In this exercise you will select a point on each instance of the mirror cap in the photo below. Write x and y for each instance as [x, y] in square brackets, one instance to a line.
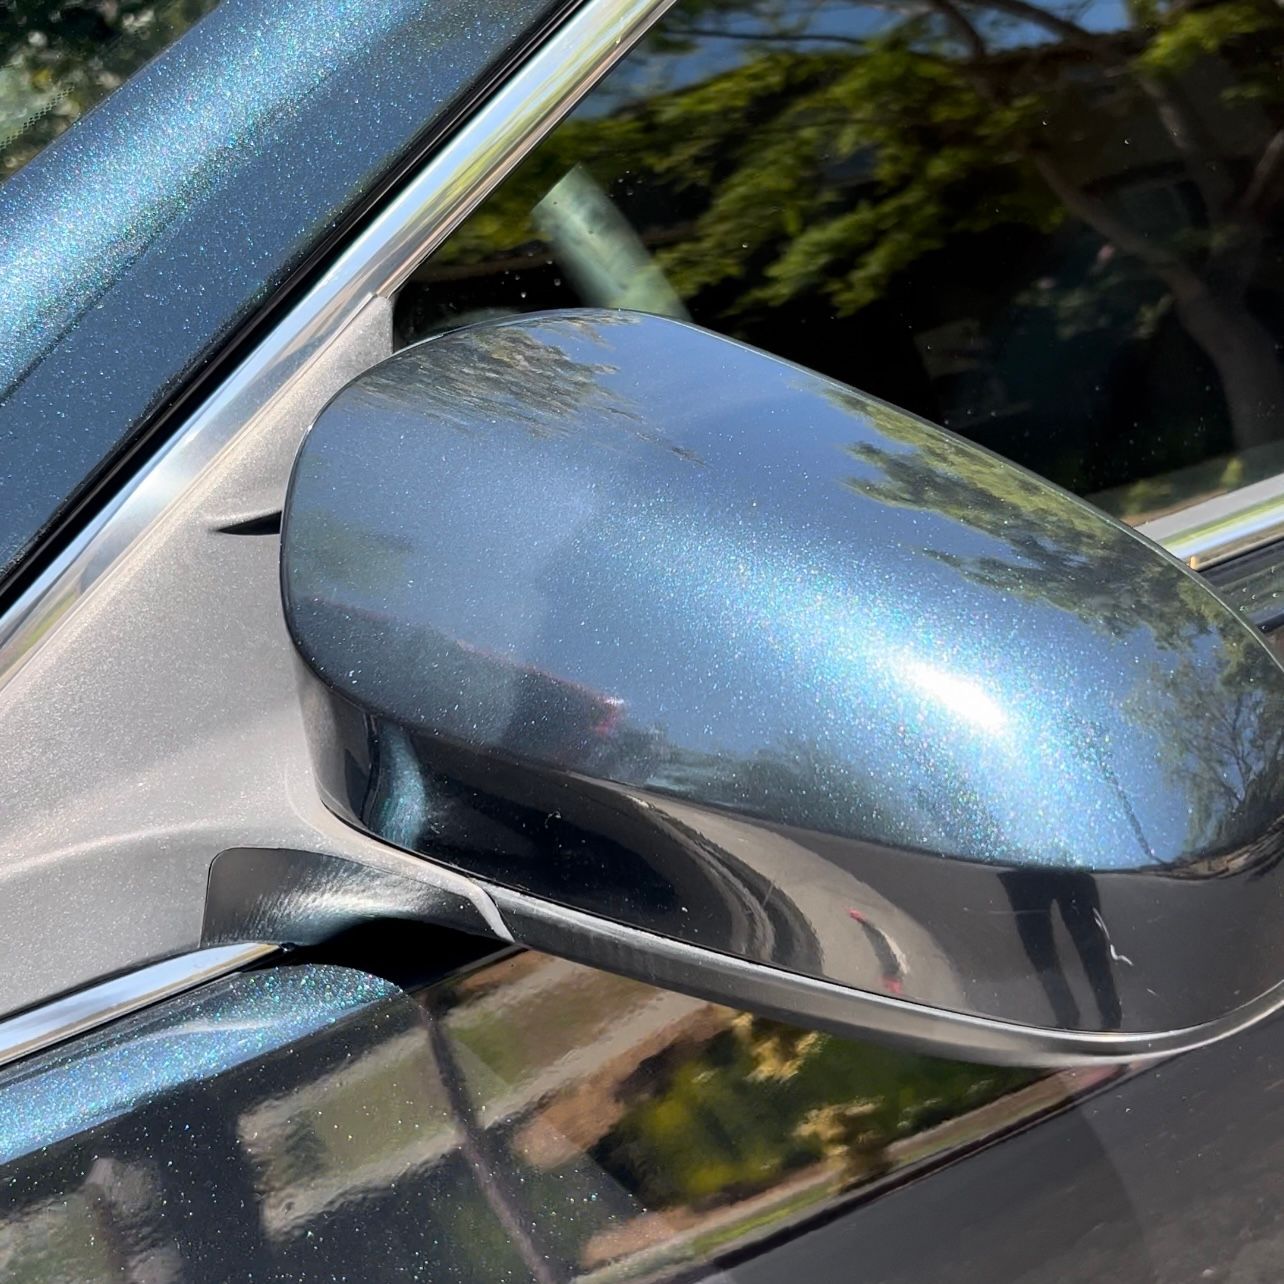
[632, 619]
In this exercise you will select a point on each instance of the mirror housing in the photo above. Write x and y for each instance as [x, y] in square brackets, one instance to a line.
[714, 671]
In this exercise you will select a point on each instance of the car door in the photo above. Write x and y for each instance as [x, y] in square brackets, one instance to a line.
[1054, 236]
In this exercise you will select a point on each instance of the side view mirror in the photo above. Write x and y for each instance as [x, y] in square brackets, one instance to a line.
[719, 673]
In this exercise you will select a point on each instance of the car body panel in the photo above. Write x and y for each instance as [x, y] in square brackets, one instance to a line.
[531, 1119]
[335, 1140]
[141, 239]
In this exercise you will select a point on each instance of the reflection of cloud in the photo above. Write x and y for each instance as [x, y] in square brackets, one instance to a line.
[961, 696]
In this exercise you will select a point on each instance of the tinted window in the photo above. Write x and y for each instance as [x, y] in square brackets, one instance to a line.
[1052, 228]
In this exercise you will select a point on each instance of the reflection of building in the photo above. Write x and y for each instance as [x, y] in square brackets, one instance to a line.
[83, 1233]
[562, 1105]
[237, 1133]
[344, 1136]
[537, 1112]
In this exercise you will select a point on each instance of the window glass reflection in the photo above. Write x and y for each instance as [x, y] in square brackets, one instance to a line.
[1053, 228]
[639, 1130]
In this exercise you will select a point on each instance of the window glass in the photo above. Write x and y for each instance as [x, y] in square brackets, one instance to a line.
[636, 1134]
[527, 1119]
[1051, 227]
[58, 58]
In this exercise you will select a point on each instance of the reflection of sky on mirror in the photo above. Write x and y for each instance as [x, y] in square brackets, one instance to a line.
[967, 700]
[754, 604]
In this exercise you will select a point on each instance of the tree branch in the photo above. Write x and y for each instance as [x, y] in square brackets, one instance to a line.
[1189, 140]
[767, 37]
[1178, 275]
[1180, 124]
[1052, 22]
[1264, 187]
[967, 32]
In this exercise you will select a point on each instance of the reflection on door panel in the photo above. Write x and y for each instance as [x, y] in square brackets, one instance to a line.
[647, 1130]
[530, 1119]
[288, 1124]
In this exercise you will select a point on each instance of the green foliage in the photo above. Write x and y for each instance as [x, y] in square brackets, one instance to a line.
[730, 1116]
[763, 148]
[779, 167]
[813, 169]
[1185, 35]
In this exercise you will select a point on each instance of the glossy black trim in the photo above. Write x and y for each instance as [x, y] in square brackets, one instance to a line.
[1254, 584]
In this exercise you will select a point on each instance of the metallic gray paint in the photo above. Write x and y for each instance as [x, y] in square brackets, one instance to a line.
[151, 714]
[308, 897]
[140, 240]
[325, 1126]
[76, 1014]
[820, 1004]
[668, 631]
[282, 368]
[149, 611]
[232, 1133]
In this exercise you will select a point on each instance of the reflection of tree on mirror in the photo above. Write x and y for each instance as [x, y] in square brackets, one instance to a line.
[646, 1119]
[1215, 729]
[938, 475]
[1223, 751]
[493, 373]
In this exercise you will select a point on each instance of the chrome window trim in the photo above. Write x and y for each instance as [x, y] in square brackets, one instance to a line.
[75, 1014]
[453, 181]
[1215, 530]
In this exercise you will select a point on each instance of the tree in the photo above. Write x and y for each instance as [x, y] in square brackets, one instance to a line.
[840, 151]
[730, 1116]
